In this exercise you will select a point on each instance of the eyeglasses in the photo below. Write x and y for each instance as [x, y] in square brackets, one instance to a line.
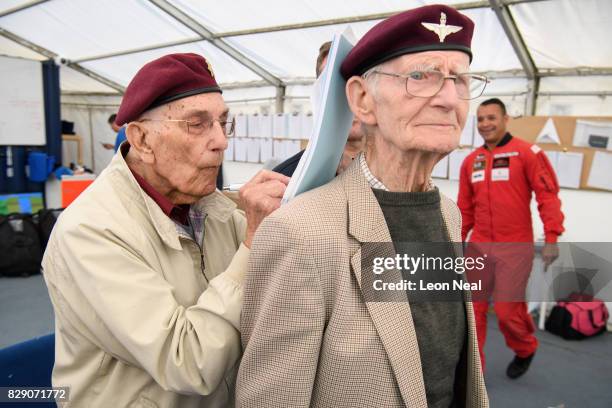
[425, 84]
[199, 127]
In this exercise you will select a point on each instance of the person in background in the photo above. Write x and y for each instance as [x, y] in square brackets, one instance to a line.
[495, 188]
[145, 268]
[120, 138]
[354, 142]
[314, 334]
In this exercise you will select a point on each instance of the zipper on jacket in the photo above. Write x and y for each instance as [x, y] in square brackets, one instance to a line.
[195, 240]
[489, 185]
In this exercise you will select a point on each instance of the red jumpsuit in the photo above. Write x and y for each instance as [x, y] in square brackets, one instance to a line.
[495, 190]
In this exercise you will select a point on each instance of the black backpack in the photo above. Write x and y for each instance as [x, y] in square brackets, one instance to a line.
[46, 221]
[20, 250]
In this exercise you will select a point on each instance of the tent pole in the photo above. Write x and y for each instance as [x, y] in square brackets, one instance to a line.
[518, 44]
[280, 99]
[532, 96]
[221, 44]
[51, 55]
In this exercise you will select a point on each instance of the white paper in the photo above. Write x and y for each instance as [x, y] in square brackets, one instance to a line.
[467, 135]
[294, 146]
[241, 126]
[265, 126]
[307, 126]
[278, 150]
[331, 123]
[549, 133]
[454, 162]
[253, 150]
[266, 150]
[601, 171]
[569, 169]
[553, 158]
[240, 149]
[229, 152]
[254, 128]
[585, 130]
[295, 126]
[279, 126]
[478, 140]
[440, 170]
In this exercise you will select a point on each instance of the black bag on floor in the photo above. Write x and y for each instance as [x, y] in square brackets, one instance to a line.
[20, 250]
[46, 221]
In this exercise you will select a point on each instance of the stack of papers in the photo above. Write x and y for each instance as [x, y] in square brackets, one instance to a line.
[332, 120]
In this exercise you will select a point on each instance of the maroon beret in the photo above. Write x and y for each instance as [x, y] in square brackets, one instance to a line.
[428, 28]
[164, 80]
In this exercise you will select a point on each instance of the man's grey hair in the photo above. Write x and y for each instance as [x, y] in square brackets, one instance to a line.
[372, 79]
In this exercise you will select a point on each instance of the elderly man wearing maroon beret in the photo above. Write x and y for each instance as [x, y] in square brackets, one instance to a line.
[145, 269]
[314, 332]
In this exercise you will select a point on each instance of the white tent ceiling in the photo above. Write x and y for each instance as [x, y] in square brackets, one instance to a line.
[550, 48]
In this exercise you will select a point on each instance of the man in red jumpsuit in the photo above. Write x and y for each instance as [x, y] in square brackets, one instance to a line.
[495, 189]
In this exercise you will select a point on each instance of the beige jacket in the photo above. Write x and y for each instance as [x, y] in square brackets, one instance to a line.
[136, 323]
[309, 337]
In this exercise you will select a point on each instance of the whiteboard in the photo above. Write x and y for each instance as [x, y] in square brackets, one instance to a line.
[22, 104]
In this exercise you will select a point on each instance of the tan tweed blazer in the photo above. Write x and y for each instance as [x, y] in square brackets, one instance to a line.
[309, 337]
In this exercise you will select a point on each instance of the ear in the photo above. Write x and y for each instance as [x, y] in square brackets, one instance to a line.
[139, 138]
[361, 100]
[506, 119]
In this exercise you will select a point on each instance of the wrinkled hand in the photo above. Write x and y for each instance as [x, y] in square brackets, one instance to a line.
[108, 146]
[550, 253]
[259, 197]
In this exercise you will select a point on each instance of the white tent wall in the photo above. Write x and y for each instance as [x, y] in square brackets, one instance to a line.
[575, 102]
[566, 33]
[90, 115]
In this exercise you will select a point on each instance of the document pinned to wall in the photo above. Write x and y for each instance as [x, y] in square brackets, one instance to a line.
[440, 170]
[295, 126]
[279, 126]
[279, 150]
[240, 149]
[593, 134]
[254, 126]
[229, 152]
[306, 126]
[253, 146]
[467, 135]
[553, 158]
[331, 123]
[241, 126]
[549, 133]
[293, 147]
[478, 140]
[601, 171]
[266, 150]
[454, 162]
[569, 169]
[265, 126]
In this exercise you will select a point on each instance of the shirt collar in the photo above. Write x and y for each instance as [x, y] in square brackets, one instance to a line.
[177, 213]
[376, 183]
[504, 141]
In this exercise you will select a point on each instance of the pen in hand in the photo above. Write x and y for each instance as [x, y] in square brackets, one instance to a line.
[233, 187]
